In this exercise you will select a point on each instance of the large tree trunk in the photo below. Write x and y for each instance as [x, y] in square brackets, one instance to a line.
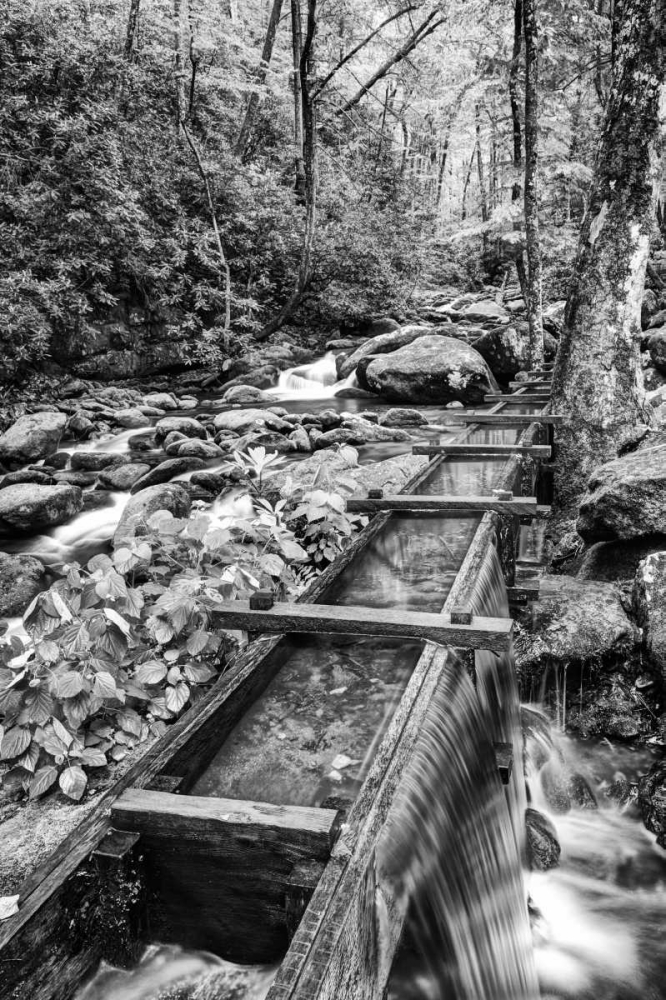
[532, 241]
[309, 109]
[253, 103]
[513, 98]
[132, 30]
[297, 49]
[598, 380]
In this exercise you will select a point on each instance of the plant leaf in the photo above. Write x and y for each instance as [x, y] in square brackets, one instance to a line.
[73, 782]
[42, 781]
[15, 742]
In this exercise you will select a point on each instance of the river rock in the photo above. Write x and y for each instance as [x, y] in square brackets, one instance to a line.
[650, 608]
[30, 507]
[543, 848]
[368, 327]
[95, 461]
[263, 377]
[213, 482]
[122, 477]
[245, 394]
[300, 438]
[242, 421]
[402, 416]
[430, 370]
[145, 441]
[627, 497]
[21, 579]
[505, 349]
[653, 378]
[132, 417]
[161, 400]
[270, 440]
[194, 448]
[573, 623]
[81, 426]
[365, 431]
[26, 476]
[188, 426]
[652, 800]
[166, 471]
[385, 343]
[610, 712]
[481, 312]
[330, 419]
[32, 437]
[580, 792]
[139, 508]
[75, 478]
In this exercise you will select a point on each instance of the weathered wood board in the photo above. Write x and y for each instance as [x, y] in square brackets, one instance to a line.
[482, 633]
[536, 450]
[509, 419]
[517, 398]
[522, 506]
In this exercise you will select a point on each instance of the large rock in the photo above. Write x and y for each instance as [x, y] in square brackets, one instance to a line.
[368, 327]
[21, 579]
[245, 394]
[650, 608]
[505, 350]
[186, 425]
[166, 471]
[122, 477]
[134, 519]
[31, 437]
[574, 623]
[30, 507]
[481, 312]
[543, 849]
[323, 470]
[657, 348]
[652, 800]
[627, 497]
[431, 370]
[400, 416]
[95, 461]
[242, 421]
[384, 343]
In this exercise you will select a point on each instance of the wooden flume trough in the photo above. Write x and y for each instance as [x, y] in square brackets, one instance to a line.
[150, 862]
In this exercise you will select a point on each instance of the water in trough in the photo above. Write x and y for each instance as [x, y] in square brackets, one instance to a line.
[454, 842]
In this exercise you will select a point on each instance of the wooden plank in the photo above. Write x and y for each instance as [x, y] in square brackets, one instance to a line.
[504, 758]
[507, 418]
[527, 397]
[538, 383]
[523, 506]
[483, 633]
[523, 594]
[218, 871]
[535, 450]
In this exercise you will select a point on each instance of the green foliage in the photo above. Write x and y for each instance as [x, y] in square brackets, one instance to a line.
[122, 646]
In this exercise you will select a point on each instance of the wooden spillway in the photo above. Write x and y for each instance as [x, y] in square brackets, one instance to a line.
[250, 880]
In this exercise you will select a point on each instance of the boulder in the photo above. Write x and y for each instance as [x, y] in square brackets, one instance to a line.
[430, 370]
[213, 482]
[368, 327]
[32, 437]
[166, 471]
[162, 400]
[245, 394]
[132, 417]
[134, 519]
[95, 461]
[385, 343]
[31, 507]
[365, 431]
[186, 425]
[194, 448]
[610, 712]
[324, 469]
[270, 440]
[75, 478]
[652, 800]
[145, 441]
[627, 497]
[650, 608]
[543, 849]
[21, 579]
[653, 379]
[262, 377]
[505, 350]
[573, 622]
[122, 477]
[487, 309]
[402, 417]
[26, 476]
[300, 438]
[242, 421]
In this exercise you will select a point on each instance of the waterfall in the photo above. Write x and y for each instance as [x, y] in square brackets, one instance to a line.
[452, 842]
[318, 380]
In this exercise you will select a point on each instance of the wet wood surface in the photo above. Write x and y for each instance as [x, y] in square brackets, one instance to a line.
[523, 506]
[537, 450]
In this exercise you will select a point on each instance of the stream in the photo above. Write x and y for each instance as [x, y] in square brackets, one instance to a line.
[595, 924]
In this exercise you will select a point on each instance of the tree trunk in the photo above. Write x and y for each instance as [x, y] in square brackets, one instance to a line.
[309, 109]
[532, 241]
[253, 103]
[132, 30]
[598, 380]
[179, 16]
[468, 175]
[297, 50]
[513, 97]
[479, 166]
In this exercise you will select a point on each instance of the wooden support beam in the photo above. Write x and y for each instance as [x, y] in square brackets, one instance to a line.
[517, 398]
[219, 872]
[531, 384]
[535, 450]
[523, 594]
[508, 418]
[482, 633]
[504, 757]
[522, 506]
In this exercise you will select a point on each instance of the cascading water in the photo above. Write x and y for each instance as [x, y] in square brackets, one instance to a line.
[314, 381]
[453, 839]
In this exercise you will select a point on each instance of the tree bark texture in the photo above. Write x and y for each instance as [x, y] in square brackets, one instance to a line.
[513, 97]
[598, 381]
[132, 30]
[532, 241]
[297, 48]
[253, 103]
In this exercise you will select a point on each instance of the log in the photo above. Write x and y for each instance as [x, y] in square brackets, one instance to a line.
[523, 506]
[535, 450]
[482, 633]
[218, 871]
[509, 418]
[517, 398]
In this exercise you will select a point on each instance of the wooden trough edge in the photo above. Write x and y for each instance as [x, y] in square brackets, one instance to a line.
[521, 506]
[535, 450]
